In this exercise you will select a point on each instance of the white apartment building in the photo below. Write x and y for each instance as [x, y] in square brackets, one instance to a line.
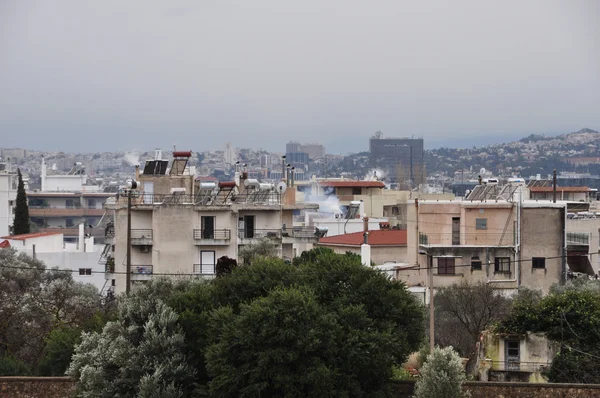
[182, 227]
[8, 195]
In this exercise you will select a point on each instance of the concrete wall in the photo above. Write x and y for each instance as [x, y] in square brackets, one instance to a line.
[36, 387]
[64, 182]
[541, 236]
[405, 389]
[43, 244]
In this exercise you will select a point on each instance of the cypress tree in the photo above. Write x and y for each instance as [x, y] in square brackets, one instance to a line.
[21, 225]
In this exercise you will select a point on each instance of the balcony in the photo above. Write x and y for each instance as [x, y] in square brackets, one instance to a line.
[467, 239]
[141, 237]
[204, 270]
[299, 234]
[72, 211]
[246, 236]
[141, 272]
[212, 237]
[578, 239]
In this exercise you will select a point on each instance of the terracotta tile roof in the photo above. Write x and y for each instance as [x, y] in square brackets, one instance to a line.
[4, 244]
[559, 189]
[352, 184]
[32, 235]
[382, 237]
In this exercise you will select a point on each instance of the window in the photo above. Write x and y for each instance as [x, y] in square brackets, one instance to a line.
[395, 210]
[85, 271]
[445, 265]
[502, 265]
[356, 191]
[538, 262]
[475, 263]
[91, 203]
[481, 223]
[69, 203]
[69, 222]
[113, 282]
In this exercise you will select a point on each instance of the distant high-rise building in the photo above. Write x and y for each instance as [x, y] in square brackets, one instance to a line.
[293, 146]
[313, 150]
[403, 159]
[296, 158]
[265, 160]
[230, 154]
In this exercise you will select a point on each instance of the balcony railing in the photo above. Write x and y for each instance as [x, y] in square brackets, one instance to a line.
[140, 198]
[220, 234]
[141, 234]
[259, 233]
[578, 238]
[474, 239]
[204, 269]
[109, 231]
[141, 269]
[299, 232]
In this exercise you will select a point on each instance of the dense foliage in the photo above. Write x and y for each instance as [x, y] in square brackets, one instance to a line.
[37, 306]
[328, 327]
[21, 223]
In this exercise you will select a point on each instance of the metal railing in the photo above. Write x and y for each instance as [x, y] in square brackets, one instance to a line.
[204, 269]
[109, 231]
[141, 198]
[298, 232]
[259, 233]
[578, 238]
[141, 269]
[487, 239]
[141, 234]
[224, 234]
[519, 366]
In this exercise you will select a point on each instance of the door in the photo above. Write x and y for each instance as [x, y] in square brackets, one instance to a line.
[148, 192]
[512, 354]
[456, 230]
[207, 262]
[249, 227]
[208, 227]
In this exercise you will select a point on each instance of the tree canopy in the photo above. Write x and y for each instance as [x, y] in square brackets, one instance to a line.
[327, 327]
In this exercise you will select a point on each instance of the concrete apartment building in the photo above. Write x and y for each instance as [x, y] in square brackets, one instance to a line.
[505, 242]
[65, 201]
[182, 227]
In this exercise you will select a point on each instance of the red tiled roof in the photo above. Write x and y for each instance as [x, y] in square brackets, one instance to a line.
[32, 235]
[352, 184]
[382, 237]
[559, 189]
[4, 244]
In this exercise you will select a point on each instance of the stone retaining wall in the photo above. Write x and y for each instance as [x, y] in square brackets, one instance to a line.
[36, 387]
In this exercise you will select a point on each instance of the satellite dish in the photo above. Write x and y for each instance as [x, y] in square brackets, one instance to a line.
[281, 187]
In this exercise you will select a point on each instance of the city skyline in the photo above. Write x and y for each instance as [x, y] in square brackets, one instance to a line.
[114, 76]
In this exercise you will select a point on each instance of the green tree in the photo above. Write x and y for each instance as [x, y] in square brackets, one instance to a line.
[21, 223]
[442, 375]
[378, 322]
[225, 265]
[265, 247]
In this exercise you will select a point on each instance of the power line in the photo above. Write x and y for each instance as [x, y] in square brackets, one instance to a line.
[297, 271]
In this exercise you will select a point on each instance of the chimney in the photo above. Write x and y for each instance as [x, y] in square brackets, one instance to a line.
[366, 224]
[283, 177]
[137, 172]
[480, 180]
[81, 245]
[293, 171]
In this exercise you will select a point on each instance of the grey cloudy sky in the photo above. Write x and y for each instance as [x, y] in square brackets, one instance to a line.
[112, 74]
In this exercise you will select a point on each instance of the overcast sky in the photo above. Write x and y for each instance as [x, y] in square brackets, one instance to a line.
[119, 74]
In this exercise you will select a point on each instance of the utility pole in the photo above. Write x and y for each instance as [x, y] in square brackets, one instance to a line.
[128, 269]
[431, 308]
